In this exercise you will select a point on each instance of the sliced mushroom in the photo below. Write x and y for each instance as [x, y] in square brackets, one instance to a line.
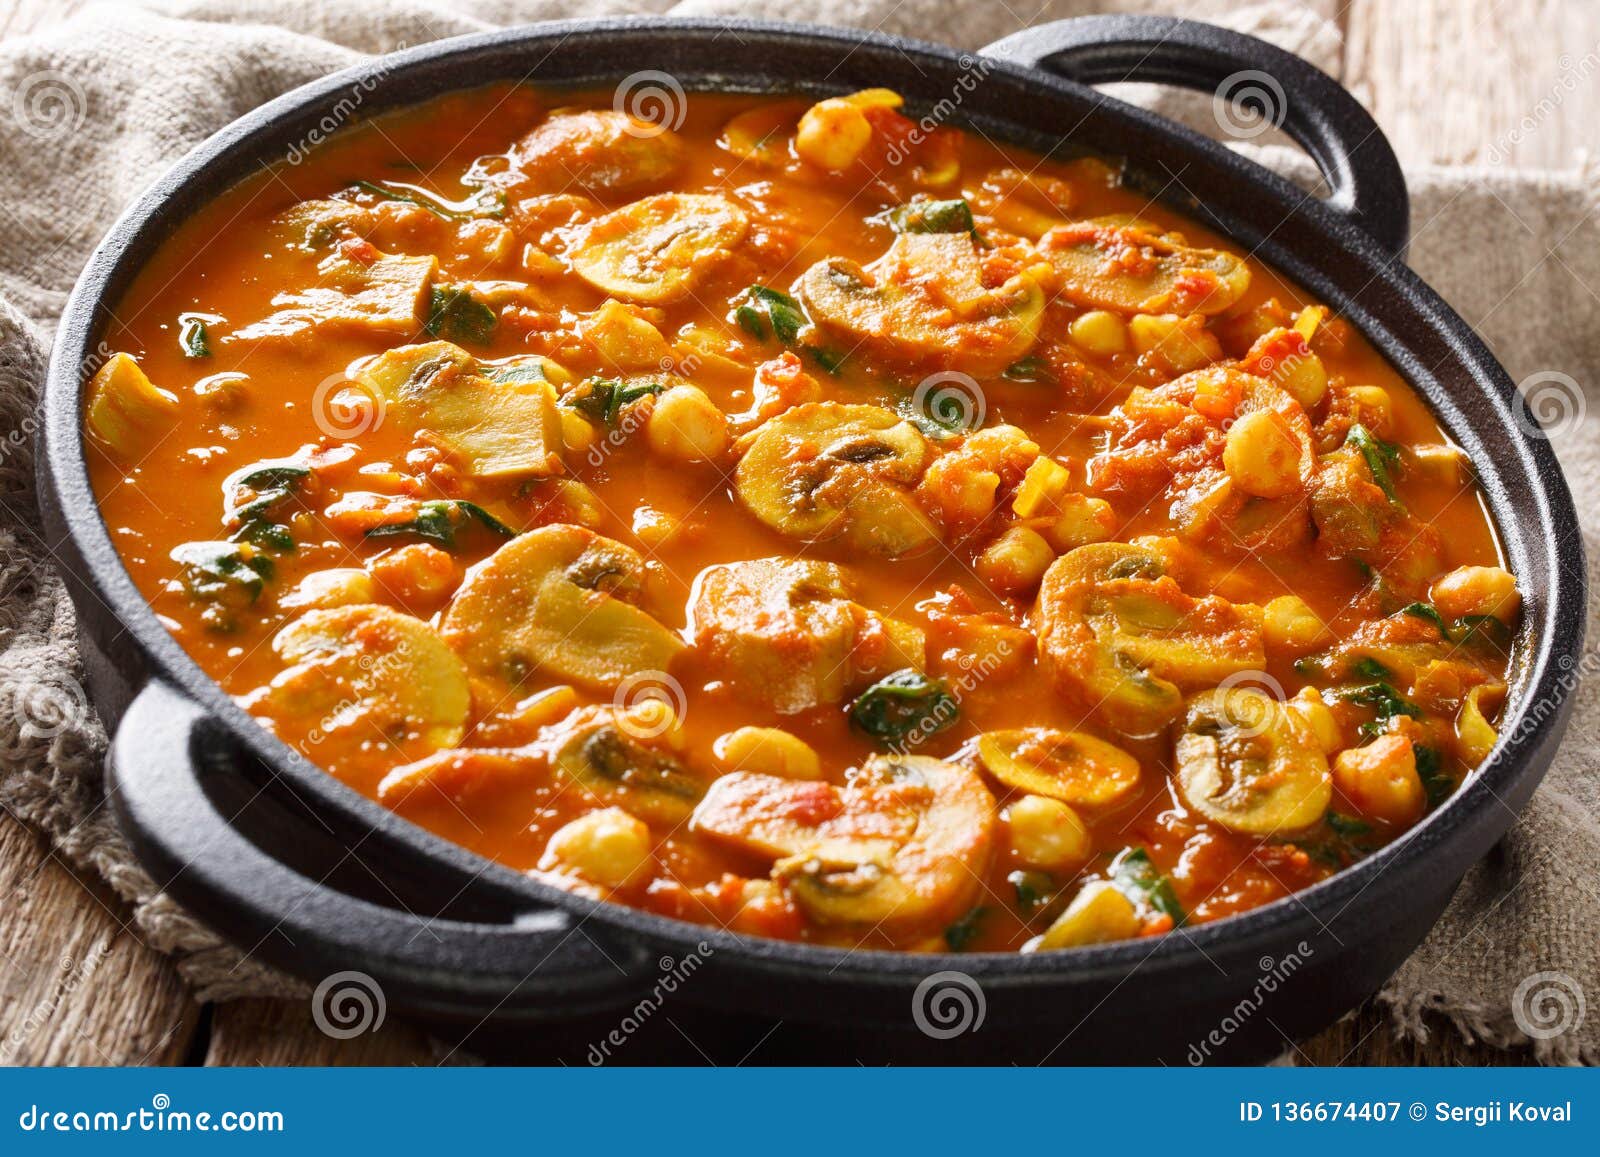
[762, 133]
[601, 150]
[561, 600]
[495, 420]
[1071, 766]
[361, 675]
[1111, 265]
[1121, 638]
[656, 251]
[382, 298]
[1247, 762]
[622, 766]
[773, 816]
[925, 301]
[786, 632]
[902, 846]
[826, 470]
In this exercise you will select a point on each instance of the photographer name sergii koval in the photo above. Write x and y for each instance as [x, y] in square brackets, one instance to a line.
[1497, 1111]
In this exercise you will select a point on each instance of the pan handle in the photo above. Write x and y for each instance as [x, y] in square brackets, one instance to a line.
[1319, 113]
[508, 958]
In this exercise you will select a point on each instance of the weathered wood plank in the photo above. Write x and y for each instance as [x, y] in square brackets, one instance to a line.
[1508, 82]
[77, 985]
[282, 1032]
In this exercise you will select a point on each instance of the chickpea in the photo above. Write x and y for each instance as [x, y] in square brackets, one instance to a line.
[1305, 377]
[1047, 834]
[1381, 780]
[1477, 590]
[655, 527]
[1099, 332]
[687, 425]
[1015, 562]
[958, 490]
[419, 573]
[1373, 406]
[225, 392]
[1318, 717]
[832, 135]
[607, 847]
[624, 339]
[769, 751]
[578, 434]
[1291, 624]
[1284, 357]
[1081, 520]
[340, 587]
[1183, 342]
[1262, 456]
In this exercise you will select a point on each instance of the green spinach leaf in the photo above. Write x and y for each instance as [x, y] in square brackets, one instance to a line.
[902, 703]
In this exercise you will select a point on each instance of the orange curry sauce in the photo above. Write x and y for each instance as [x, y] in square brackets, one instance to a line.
[252, 330]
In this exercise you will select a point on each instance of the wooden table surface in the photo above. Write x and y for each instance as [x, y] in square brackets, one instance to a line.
[1445, 79]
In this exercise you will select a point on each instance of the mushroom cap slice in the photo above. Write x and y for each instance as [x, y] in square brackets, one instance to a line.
[1071, 766]
[924, 302]
[1247, 762]
[902, 845]
[1121, 638]
[562, 600]
[600, 150]
[827, 470]
[495, 421]
[1113, 265]
[931, 877]
[365, 674]
[623, 769]
[786, 632]
[656, 251]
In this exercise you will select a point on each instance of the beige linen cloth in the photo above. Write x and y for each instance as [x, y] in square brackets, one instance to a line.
[91, 111]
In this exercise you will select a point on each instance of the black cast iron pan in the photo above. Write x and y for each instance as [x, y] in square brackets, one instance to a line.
[307, 875]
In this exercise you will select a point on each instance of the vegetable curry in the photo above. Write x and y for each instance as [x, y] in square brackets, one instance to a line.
[801, 519]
